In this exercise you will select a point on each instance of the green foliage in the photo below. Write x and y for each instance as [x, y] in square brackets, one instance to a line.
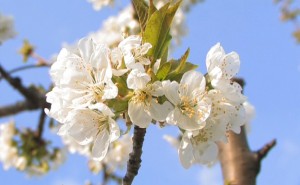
[179, 67]
[157, 31]
[163, 71]
[141, 8]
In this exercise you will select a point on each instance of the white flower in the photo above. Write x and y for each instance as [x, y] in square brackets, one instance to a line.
[112, 30]
[225, 112]
[92, 125]
[192, 107]
[118, 154]
[220, 65]
[144, 106]
[197, 149]
[117, 62]
[8, 152]
[82, 76]
[134, 51]
[74, 147]
[221, 68]
[6, 28]
[99, 4]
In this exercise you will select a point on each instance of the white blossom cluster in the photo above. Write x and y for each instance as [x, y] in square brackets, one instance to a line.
[114, 27]
[99, 4]
[11, 155]
[6, 28]
[204, 107]
[8, 151]
[116, 157]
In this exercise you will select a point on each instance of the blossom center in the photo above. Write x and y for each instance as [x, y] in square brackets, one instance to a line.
[187, 106]
[141, 97]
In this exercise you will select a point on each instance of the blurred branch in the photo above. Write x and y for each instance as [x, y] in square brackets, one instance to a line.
[134, 162]
[16, 108]
[16, 83]
[26, 67]
[41, 124]
[240, 165]
[34, 99]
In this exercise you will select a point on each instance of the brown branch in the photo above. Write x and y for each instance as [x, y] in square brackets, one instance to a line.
[16, 83]
[134, 162]
[16, 108]
[262, 153]
[240, 166]
[41, 123]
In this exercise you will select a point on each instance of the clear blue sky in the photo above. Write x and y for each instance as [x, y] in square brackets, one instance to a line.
[270, 64]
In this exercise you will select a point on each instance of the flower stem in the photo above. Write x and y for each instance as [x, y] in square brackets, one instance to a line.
[134, 162]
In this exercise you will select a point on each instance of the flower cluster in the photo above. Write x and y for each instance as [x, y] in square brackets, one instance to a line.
[95, 85]
[25, 152]
[8, 150]
[99, 4]
[116, 158]
[125, 23]
[6, 28]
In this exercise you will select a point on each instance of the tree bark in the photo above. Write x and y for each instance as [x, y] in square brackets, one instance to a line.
[240, 165]
[134, 162]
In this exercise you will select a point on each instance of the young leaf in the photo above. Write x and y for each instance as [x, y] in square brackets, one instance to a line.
[163, 71]
[141, 8]
[179, 67]
[158, 28]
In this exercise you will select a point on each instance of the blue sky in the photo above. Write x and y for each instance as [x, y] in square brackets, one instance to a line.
[270, 64]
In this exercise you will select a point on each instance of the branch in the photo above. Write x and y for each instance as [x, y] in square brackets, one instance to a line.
[41, 123]
[17, 84]
[240, 166]
[134, 162]
[262, 153]
[27, 67]
[17, 107]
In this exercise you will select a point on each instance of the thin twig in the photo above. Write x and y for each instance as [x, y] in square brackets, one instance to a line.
[41, 124]
[26, 67]
[262, 153]
[134, 162]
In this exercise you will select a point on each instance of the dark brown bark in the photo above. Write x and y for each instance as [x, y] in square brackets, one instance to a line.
[33, 98]
[134, 162]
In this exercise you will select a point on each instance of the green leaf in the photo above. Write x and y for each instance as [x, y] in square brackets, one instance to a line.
[118, 105]
[179, 67]
[177, 76]
[152, 9]
[163, 71]
[141, 8]
[158, 28]
[182, 62]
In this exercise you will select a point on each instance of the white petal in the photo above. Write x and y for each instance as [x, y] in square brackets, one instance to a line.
[137, 114]
[100, 146]
[137, 79]
[205, 153]
[186, 122]
[232, 65]
[213, 56]
[186, 152]
[159, 112]
[86, 48]
[114, 130]
[190, 81]
[171, 91]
